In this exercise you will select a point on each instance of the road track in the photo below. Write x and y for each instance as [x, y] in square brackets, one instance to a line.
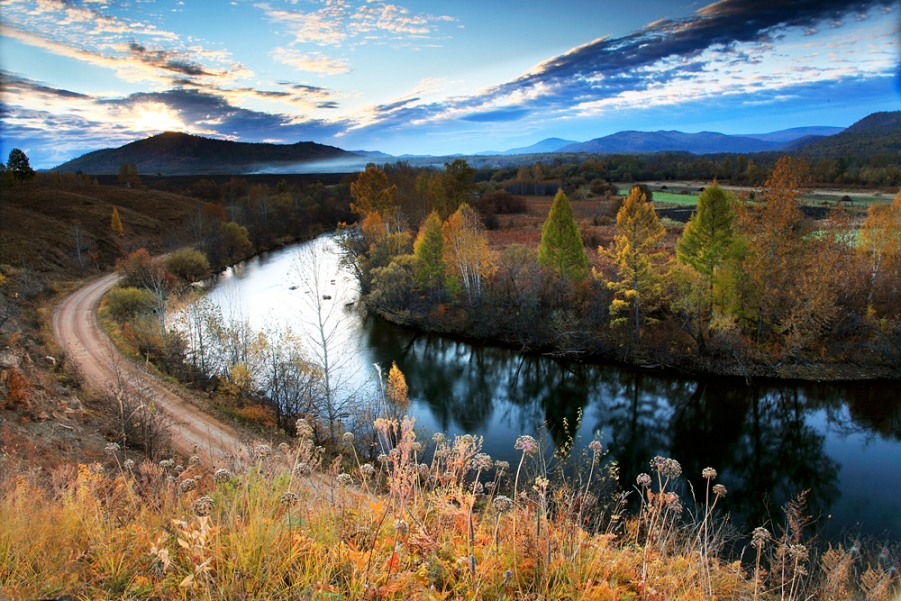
[78, 332]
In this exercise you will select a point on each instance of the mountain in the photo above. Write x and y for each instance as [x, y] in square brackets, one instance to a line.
[372, 154]
[546, 145]
[801, 142]
[173, 153]
[658, 141]
[790, 135]
[879, 133]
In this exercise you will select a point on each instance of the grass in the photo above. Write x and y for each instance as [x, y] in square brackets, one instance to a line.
[276, 523]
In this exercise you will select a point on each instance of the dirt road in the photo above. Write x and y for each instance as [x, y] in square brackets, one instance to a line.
[78, 332]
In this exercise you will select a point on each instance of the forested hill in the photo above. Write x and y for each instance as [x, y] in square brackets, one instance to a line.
[174, 153]
[879, 133]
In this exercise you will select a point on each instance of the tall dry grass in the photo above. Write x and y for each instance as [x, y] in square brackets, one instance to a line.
[278, 524]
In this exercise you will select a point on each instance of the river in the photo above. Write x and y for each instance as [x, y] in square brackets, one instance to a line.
[768, 441]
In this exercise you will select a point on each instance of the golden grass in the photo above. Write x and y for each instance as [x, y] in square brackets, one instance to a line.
[273, 528]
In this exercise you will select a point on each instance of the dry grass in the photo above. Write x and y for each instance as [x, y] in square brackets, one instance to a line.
[271, 528]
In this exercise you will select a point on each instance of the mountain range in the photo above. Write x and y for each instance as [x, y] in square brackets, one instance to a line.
[173, 153]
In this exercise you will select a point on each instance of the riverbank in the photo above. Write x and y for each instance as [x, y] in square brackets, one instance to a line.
[746, 369]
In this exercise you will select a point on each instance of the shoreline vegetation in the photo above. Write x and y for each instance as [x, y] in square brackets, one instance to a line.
[432, 519]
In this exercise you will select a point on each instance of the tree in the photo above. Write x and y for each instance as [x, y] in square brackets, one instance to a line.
[128, 175]
[707, 238]
[773, 227]
[116, 223]
[429, 247]
[466, 251]
[188, 265]
[396, 389]
[640, 281]
[19, 165]
[561, 246]
[372, 193]
[237, 243]
[459, 185]
[880, 241]
[81, 244]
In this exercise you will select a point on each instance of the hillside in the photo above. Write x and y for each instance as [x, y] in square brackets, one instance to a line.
[879, 133]
[36, 223]
[174, 153]
[658, 141]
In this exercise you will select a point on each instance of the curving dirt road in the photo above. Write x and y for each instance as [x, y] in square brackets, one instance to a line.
[78, 332]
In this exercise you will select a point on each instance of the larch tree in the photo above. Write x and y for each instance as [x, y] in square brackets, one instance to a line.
[396, 389]
[773, 226]
[640, 281]
[116, 223]
[466, 251]
[372, 193]
[707, 238]
[429, 248]
[561, 246]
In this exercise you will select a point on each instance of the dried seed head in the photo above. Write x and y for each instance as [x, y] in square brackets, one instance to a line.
[179, 469]
[344, 479]
[194, 460]
[221, 476]
[643, 480]
[128, 464]
[262, 450]
[438, 438]
[367, 470]
[526, 444]
[111, 448]
[417, 447]
[289, 499]
[382, 458]
[502, 465]
[167, 463]
[708, 473]
[502, 504]
[303, 428]
[284, 447]
[760, 536]
[719, 490]
[671, 469]
[203, 506]
[302, 469]
[595, 445]
[482, 461]
[348, 437]
[187, 485]
[401, 527]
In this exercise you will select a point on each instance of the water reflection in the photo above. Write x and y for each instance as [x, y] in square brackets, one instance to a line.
[768, 442]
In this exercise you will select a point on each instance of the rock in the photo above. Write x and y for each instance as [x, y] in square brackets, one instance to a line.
[8, 359]
[43, 415]
[51, 360]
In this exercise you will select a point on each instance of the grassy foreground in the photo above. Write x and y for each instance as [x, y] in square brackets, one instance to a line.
[277, 525]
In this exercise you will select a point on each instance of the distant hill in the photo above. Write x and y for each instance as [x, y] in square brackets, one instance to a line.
[801, 142]
[796, 133]
[659, 141]
[879, 133]
[372, 154]
[174, 153]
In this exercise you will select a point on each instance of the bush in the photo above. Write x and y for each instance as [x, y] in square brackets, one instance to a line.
[124, 303]
[188, 265]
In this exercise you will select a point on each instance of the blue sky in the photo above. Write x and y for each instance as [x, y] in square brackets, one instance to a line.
[423, 77]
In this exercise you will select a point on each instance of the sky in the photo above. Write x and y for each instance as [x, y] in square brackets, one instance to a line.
[438, 78]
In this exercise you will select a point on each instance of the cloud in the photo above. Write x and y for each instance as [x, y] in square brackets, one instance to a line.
[341, 21]
[726, 48]
[315, 61]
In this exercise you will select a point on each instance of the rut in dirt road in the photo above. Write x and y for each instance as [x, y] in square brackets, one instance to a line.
[77, 331]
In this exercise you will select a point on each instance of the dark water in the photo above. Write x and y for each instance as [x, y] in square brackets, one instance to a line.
[769, 442]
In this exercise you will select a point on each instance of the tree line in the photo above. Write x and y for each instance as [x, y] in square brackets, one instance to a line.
[751, 280]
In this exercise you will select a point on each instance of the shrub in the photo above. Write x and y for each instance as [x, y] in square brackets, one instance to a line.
[188, 265]
[124, 303]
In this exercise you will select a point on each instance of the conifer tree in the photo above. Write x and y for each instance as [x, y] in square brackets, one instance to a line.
[116, 223]
[561, 246]
[429, 248]
[707, 238]
[640, 280]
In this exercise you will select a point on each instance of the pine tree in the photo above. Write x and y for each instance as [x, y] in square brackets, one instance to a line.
[561, 246]
[429, 247]
[116, 223]
[640, 280]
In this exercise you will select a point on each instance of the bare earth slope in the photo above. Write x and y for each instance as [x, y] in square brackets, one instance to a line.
[78, 332]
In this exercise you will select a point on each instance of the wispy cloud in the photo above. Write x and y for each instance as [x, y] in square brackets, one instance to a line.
[337, 22]
[315, 62]
[726, 48]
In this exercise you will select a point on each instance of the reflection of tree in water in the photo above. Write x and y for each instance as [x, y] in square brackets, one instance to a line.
[633, 410]
[778, 456]
[862, 408]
